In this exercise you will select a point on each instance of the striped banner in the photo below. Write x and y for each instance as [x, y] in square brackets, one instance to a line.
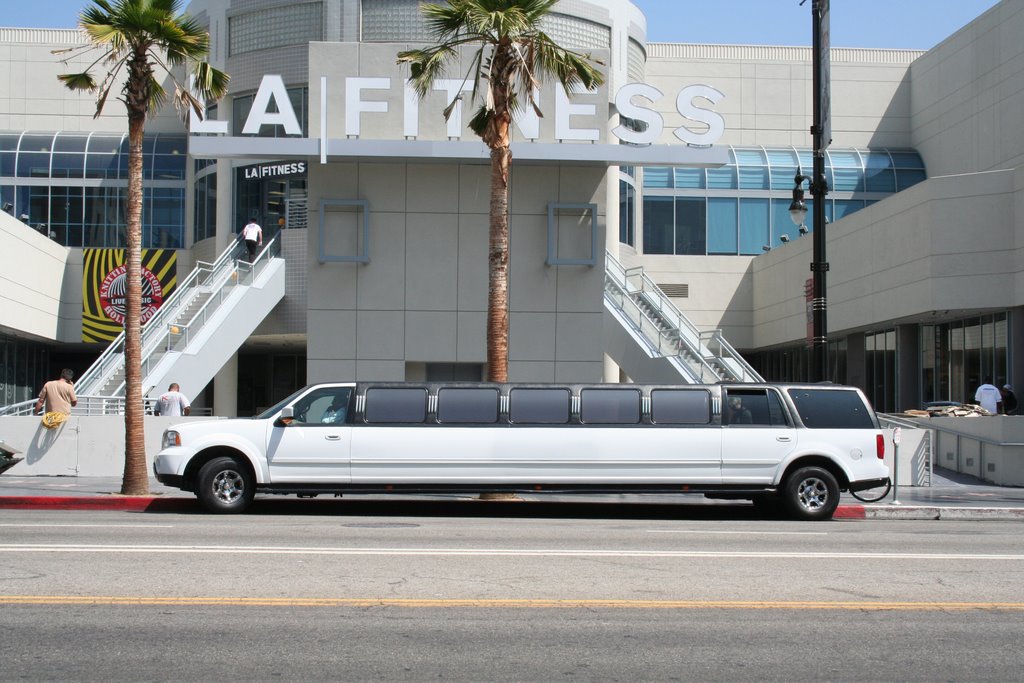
[103, 289]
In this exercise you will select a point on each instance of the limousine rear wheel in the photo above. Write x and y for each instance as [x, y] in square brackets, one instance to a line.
[225, 485]
[811, 493]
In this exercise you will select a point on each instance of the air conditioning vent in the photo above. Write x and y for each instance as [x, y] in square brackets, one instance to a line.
[675, 290]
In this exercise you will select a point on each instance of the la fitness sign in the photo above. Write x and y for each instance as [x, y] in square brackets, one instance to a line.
[573, 121]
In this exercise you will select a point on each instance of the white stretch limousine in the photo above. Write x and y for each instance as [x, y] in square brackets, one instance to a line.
[798, 446]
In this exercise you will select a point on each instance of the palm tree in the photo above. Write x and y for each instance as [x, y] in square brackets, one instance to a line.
[134, 38]
[512, 55]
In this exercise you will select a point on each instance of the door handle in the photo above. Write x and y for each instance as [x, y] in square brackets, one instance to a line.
[783, 439]
[333, 437]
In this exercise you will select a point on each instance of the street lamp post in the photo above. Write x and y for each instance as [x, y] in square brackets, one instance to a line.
[821, 134]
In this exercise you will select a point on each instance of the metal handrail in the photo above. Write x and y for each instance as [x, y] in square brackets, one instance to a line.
[92, 406]
[98, 371]
[728, 352]
[668, 344]
[225, 274]
[684, 332]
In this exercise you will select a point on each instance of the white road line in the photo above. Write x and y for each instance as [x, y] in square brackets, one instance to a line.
[737, 533]
[87, 525]
[487, 552]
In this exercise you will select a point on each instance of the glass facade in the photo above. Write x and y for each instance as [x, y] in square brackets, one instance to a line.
[73, 187]
[956, 357]
[205, 220]
[292, 24]
[23, 369]
[743, 207]
[387, 21]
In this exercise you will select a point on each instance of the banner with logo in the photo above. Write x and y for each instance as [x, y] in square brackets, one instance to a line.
[103, 289]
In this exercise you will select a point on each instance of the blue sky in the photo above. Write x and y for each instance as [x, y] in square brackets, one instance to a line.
[912, 24]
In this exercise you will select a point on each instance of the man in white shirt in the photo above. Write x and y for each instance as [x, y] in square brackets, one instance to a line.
[989, 397]
[252, 233]
[173, 403]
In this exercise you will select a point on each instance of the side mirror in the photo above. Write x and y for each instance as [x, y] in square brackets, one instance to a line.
[286, 417]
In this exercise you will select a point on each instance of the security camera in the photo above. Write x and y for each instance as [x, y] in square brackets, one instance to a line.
[804, 230]
[783, 238]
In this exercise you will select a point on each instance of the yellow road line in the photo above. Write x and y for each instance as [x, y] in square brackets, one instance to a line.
[103, 600]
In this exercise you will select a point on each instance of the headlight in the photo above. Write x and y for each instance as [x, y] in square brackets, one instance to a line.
[171, 438]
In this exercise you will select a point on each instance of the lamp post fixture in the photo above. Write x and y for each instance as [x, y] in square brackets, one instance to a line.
[821, 134]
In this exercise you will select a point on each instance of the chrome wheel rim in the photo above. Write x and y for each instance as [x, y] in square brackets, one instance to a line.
[812, 493]
[228, 486]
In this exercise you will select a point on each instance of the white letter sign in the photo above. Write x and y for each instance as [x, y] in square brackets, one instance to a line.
[713, 120]
[272, 86]
[354, 104]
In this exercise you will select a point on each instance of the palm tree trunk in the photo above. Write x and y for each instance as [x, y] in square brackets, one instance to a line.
[136, 476]
[497, 270]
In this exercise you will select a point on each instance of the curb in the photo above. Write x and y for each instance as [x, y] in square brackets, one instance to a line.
[123, 503]
[182, 504]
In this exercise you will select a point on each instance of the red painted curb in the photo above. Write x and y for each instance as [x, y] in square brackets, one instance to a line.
[850, 512]
[126, 503]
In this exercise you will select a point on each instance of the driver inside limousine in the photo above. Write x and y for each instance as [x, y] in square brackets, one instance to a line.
[335, 413]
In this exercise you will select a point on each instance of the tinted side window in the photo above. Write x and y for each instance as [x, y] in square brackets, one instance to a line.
[758, 407]
[680, 406]
[540, 406]
[396, 405]
[831, 409]
[467, 405]
[610, 406]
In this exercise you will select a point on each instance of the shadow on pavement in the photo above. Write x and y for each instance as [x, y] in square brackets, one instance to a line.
[521, 509]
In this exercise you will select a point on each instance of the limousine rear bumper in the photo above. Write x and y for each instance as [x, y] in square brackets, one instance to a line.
[868, 484]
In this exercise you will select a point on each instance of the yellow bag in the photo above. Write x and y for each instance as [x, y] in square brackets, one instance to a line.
[54, 419]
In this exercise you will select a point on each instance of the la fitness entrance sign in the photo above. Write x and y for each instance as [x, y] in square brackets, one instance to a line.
[573, 121]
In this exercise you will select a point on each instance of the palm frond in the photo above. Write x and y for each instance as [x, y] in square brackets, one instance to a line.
[211, 83]
[80, 81]
[426, 65]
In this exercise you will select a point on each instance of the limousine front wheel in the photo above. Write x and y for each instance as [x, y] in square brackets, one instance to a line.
[225, 485]
[812, 493]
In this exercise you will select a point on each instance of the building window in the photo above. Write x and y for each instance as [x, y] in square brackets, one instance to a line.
[746, 202]
[76, 215]
[957, 357]
[275, 27]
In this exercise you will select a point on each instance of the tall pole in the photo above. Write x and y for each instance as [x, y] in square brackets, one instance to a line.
[821, 133]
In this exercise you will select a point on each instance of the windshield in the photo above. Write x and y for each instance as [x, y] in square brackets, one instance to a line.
[276, 408]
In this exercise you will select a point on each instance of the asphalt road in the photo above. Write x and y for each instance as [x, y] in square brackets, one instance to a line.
[414, 595]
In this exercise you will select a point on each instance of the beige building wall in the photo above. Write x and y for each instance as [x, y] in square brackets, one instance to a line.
[34, 282]
[948, 247]
[422, 297]
[768, 90]
[31, 97]
[967, 96]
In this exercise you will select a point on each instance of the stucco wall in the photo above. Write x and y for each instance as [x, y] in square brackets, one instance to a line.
[967, 96]
[422, 297]
[32, 280]
[948, 244]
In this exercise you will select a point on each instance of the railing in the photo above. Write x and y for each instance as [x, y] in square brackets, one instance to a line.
[92, 406]
[740, 369]
[923, 475]
[627, 288]
[180, 335]
[158, 332]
